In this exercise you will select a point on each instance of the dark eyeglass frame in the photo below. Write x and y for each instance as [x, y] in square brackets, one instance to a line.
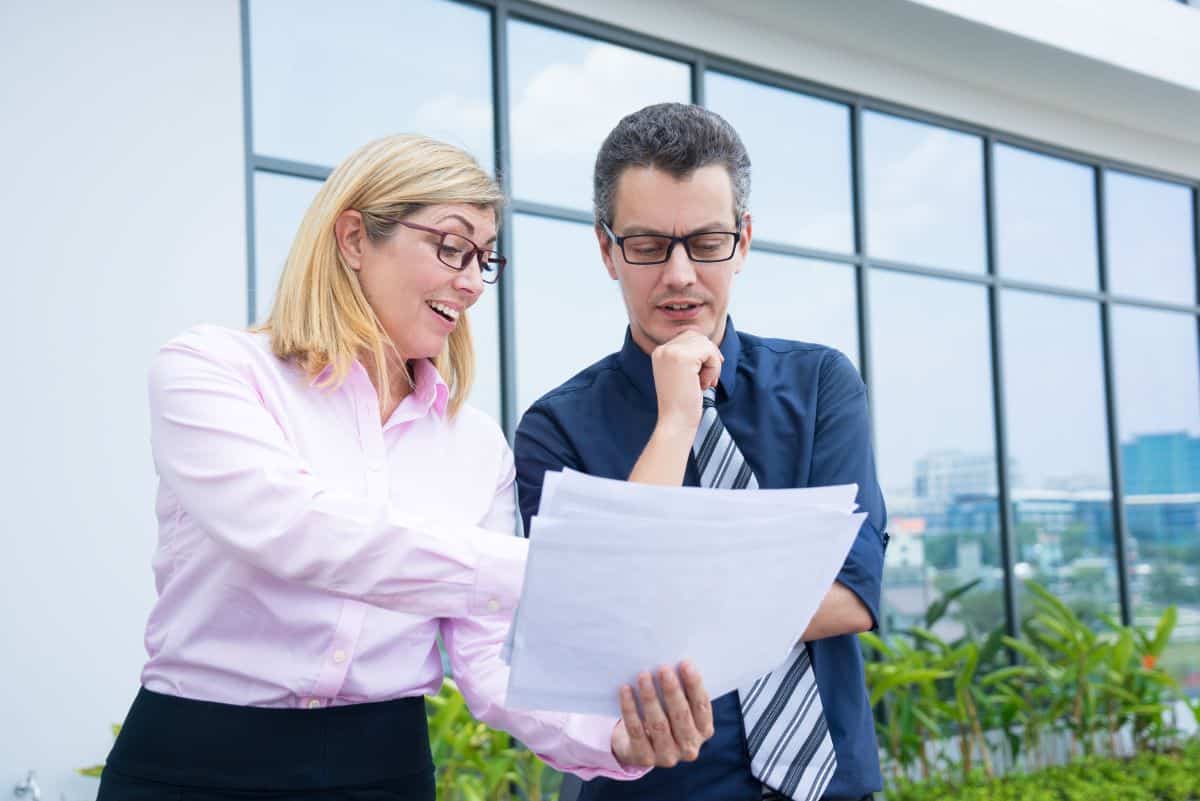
[487, 259]
[685, 240]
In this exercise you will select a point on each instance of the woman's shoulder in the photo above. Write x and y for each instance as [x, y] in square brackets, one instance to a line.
[235, 348]
[479, 425]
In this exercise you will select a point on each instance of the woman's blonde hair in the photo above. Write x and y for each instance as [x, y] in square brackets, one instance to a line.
[321, 318]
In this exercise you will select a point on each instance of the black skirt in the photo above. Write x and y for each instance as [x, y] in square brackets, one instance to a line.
[176, 749]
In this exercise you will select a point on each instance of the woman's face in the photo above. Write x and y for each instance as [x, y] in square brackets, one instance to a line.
[416, 296]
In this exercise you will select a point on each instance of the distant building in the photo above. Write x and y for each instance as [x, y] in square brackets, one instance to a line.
[1161, 464]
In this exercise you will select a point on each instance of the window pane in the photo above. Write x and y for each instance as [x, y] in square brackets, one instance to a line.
[279, 204]
[567, 92]
[1045, 219]
[569, 313]
[485, 334]
[1058, 450]
[1148, 226]
[931, 395]
[791, 298]
[800, 149]
[329, 77]
[924, 194]
[1158, 400]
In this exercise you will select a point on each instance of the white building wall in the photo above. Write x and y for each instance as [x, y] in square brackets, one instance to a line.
[122, 210]
[123, 213]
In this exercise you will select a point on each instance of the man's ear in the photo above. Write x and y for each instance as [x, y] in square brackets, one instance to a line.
[744, 242]
[351, 237]
[606, 251]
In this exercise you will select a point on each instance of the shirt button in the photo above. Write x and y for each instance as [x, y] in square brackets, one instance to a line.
[314, 703]
[339, 656]
[493, 605]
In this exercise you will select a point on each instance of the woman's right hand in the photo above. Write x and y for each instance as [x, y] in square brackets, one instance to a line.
[663, 733]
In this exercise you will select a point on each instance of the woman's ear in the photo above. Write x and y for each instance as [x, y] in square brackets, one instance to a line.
[351, 237]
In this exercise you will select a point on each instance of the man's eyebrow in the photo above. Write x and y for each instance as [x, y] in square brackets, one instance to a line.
[715, 225]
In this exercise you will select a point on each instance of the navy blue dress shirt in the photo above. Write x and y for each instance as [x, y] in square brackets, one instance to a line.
[798, 412]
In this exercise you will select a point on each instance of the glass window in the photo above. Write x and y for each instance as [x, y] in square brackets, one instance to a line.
[1148, 227]
[485, 334]
[792, 298]
[330, 77]
[1157, 371]
[279, 204]
[924, 194]
[567, 92]
[569, 313]
[1059, 479]
[1045, 219]
[932, 401]
[800, 149]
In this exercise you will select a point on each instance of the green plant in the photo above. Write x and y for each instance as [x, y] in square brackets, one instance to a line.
[1083, 678]
[477, 763]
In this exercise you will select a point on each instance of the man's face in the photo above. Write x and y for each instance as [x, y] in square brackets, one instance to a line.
[664, 300]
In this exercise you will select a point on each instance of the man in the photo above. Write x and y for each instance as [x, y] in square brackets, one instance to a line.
[690, 400]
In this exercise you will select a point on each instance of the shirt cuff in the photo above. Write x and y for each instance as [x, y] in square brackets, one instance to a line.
[499, 574]
[592, 737]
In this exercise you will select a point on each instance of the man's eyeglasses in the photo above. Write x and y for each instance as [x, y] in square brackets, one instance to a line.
[702, 246]
[456, 252]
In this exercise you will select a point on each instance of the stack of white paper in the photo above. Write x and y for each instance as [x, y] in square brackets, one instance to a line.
[626, 577]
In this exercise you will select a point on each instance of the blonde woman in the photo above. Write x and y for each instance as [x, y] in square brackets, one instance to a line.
[328, 506]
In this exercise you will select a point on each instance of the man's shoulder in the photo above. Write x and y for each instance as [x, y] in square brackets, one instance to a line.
[588, 385]
[759, 349]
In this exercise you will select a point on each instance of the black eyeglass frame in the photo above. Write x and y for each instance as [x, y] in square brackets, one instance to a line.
[484, 257]
[684, 240]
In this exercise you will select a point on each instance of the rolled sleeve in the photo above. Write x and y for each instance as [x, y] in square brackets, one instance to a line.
[842, 454]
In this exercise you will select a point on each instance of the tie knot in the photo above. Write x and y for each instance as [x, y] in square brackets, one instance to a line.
[710, 398]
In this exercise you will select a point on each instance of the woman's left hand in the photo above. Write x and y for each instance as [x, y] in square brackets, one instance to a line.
[664, 733]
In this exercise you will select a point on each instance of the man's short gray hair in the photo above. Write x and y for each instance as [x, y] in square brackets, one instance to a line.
[676, 138]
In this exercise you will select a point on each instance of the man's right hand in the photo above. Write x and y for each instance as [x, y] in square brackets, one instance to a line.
[683, 369]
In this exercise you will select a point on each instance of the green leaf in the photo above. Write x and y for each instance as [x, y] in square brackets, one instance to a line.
[937, 610]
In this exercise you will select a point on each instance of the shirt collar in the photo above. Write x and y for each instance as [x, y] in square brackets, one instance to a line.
[429, 389]
[635, 362]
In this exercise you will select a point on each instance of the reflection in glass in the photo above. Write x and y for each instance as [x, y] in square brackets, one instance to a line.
[1157, 371]
[800, 149]
[1045, 219]
[329, 77]
[279, 204]
[924, 194]
[1148, 227]
[931, 395]
[569, 313]
[1058, 437]
[792, 298]
[567, 92]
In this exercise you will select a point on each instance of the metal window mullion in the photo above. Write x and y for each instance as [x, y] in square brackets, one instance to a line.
[862, 291]
[999, 407]
[248, 155]
[699, 69]
[1116, 473]
[506, 339]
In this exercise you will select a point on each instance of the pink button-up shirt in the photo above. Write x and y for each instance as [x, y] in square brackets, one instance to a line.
[309, 556]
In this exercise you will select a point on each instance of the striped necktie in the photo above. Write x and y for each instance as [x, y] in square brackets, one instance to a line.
[791, 751]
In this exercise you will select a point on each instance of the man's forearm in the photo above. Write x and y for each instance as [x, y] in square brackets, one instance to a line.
[840, 612]
[664, 459]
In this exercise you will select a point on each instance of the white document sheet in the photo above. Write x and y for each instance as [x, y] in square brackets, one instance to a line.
[627, 577]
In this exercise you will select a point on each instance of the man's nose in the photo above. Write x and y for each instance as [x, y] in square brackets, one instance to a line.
[679, 270]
